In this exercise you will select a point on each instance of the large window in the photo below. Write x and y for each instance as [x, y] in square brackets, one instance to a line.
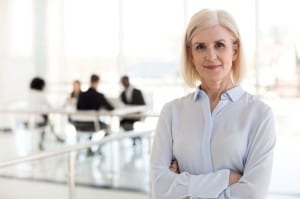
[86, 37]
[278, 60]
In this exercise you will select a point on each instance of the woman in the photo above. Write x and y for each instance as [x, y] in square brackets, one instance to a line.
[76, 89]
[218, 141]
[74, 95]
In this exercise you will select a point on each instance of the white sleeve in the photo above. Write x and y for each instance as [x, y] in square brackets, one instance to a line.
[255, 181]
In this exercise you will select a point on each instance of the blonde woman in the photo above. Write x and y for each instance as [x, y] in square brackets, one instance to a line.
[218, 141]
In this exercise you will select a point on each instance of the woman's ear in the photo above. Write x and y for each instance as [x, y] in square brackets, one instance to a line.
[235, 48]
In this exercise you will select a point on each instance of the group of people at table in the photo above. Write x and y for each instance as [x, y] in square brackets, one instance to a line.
[91, 99]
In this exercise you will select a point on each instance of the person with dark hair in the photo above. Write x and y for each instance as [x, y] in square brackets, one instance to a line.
[38, 102]
[130, 96]
[37, 83]
[92, 100]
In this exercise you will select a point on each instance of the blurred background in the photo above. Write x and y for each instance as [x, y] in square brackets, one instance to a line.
[64, 40]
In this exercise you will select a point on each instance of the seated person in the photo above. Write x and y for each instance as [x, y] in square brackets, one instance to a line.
[74, 95]
[93, 100]
[130, 96]
[38, 102]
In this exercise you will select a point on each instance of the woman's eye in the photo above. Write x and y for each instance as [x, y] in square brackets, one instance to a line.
[219, 45]
[200, 47]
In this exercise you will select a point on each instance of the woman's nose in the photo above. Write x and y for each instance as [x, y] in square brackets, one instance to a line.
[210, 54]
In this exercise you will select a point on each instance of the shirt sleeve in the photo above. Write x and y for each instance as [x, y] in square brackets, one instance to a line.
[255, 181]
[169, 185]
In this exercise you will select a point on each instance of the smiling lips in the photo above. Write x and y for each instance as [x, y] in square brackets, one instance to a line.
[212, 67]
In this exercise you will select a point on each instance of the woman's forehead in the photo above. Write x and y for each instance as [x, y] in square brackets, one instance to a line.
[213, 33]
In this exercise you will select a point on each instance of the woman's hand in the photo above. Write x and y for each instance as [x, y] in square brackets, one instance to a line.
[174, 166]
[234, 177]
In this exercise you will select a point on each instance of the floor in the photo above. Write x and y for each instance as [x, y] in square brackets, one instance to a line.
[27, 189]
[123, 167]
[120, 165]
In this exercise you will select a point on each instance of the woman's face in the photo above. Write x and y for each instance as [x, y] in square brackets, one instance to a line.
[76, 86]
[213, 52]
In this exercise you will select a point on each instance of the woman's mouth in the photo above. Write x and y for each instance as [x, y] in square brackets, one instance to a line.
[212, 67]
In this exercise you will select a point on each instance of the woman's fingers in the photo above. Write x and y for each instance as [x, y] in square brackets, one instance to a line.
[174, 166]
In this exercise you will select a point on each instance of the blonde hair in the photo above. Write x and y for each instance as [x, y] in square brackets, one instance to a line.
[201, 20]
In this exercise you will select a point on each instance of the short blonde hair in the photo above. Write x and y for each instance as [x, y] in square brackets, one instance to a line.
[201, 20]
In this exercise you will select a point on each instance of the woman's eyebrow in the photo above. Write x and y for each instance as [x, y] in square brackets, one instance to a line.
[199, 42]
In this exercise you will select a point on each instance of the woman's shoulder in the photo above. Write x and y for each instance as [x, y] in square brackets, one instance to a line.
[183, 99]
[179, 101]
[255, 103]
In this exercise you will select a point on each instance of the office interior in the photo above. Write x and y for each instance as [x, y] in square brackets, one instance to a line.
[64, 40]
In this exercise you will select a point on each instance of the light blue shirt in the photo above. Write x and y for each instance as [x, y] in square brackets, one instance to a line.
[239, 135]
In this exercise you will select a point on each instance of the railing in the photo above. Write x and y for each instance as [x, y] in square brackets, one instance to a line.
[128, 111]
[136, 111]
[122, 111]
[71, 158]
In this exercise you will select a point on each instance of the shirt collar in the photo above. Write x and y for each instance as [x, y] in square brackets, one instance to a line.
[198, 94]
[232, 94]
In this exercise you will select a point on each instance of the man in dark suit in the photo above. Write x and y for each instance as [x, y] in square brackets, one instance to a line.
[130, 96]
[92, 100]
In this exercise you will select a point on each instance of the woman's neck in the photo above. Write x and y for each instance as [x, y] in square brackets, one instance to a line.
[214, 91]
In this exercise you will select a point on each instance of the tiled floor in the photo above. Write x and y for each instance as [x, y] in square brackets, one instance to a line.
[125, 167]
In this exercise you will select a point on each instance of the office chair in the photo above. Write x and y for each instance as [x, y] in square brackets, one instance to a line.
[88, 127]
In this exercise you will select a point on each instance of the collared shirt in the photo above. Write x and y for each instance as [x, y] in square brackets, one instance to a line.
[238, 135]
[128, 93]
